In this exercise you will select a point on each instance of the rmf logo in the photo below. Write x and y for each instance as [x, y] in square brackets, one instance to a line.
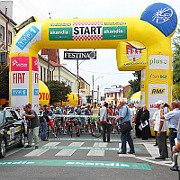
[158, 91]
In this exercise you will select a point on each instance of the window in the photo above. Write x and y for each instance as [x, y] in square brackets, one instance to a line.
[2, 32]
[2, 58]
[111, 94]
[9, 37]
[41, 73]
[44, 74]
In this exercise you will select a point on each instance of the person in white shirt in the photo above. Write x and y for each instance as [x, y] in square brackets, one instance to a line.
[133, 117]
[161, 129]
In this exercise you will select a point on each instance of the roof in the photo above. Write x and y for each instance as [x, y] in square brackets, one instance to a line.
[9, 19]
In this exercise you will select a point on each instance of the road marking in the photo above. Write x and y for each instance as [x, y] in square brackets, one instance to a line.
[11, 153]
[38, 152]
[76, 163]
[81, 139]
[126, 155]
[52, 144]
[69, 152]
[153, 151]
[97, 152]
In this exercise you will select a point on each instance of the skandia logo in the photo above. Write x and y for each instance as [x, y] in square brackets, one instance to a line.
[158, 61]
[158, 91]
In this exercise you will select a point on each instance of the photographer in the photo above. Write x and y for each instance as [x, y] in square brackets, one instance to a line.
[173, 118]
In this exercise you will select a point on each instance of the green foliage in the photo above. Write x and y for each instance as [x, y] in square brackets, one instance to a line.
[129, 94]
[136, 83]
[58, 91]
[176, 92]
[4, 82]
[176, 62]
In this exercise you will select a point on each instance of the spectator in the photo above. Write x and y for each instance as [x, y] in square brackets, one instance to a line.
[33, 122]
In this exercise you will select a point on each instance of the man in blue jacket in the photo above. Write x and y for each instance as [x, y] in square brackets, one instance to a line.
[125, 118]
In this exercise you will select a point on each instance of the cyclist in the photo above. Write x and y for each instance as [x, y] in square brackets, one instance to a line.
[95, 112]
[48, 116]
[74, 120]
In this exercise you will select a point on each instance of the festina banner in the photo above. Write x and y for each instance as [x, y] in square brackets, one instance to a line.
[74, 55]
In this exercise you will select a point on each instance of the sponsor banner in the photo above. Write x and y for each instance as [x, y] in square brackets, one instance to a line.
[157, 76]
[35, 64]
[156, 92]
[118, 32]
[142, 98]
[20, 64]
[60, 34]
[133, 56]
[76, 163]
[27, 37]
[113, 90]
[86, 55]
[142, 86]
[162, 16]
[35, 84]
[158, 62]
[172, 65]
[115, 24]
[19, 88]
[143, 75]
[87, 30]
[83, 91]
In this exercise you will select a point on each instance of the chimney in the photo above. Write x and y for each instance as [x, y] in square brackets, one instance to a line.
[6, 11]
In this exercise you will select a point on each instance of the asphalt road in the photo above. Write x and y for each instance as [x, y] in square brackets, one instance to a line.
[85, 157]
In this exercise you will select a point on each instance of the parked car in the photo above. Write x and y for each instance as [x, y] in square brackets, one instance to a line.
[12, 130]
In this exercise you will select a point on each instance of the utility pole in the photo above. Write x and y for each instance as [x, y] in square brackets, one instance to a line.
[92, 88]
[78, 78]
[97, 94]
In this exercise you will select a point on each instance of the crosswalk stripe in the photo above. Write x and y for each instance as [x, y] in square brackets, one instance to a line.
[125, 155]
[98, 152]
[38, 152]
[52, 144]
[153, 151]
[69, 152]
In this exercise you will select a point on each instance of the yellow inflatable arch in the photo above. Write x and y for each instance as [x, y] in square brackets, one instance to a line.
[142, 43]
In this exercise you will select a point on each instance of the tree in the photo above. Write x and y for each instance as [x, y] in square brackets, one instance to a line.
[129, 94]
[4, 82]
[58, 91]
[176, 92]
[176, 62]
[136, 83]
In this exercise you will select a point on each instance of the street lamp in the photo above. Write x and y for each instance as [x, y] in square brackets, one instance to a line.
[98, 91]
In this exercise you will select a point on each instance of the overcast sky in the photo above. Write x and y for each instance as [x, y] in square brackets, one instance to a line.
[104, 68]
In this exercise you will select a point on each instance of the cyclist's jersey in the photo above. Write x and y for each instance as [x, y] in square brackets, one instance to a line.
[71, 113]
[95, 111]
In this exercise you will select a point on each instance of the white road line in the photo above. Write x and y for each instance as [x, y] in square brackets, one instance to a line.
[125, 155]
[98, 152]
[52, 143]
[38, 152]
[69, 152]
[153, 150]
[11, 153]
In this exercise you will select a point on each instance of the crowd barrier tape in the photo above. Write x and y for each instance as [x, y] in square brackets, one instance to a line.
[82, 116]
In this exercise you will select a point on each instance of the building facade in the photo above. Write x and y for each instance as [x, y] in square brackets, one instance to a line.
[113, 95]
[6, 31]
